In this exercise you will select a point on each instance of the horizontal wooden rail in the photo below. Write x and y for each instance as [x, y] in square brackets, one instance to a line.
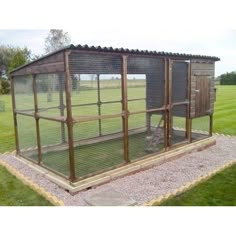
[136, 99]
[180, 103]
[147, 111]
[25, 114]
[80, 119]
[53, 118]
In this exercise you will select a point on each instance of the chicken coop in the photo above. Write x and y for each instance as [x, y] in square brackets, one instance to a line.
[82, 110]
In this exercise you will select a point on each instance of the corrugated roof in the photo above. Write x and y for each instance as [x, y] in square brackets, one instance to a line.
[142, 52]
[123, 50]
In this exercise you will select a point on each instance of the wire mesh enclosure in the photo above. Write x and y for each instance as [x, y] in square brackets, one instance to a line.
[82, 111]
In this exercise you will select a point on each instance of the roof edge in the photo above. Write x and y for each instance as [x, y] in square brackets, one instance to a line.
[118, 50]
[43, 57]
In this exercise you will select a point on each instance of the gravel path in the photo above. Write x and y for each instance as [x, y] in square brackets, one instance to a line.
[149, 184]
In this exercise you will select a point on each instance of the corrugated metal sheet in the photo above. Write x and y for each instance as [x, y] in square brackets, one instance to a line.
[137, 51]
[123, 51]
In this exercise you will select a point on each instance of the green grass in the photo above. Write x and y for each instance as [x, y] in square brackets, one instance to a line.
[224, 122]
[220, 190]
[225, 110]
[224, 116]
[7, 141]
[14, 193]
[96, 157]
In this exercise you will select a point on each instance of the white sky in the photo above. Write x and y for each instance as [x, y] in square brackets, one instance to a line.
[197, 27]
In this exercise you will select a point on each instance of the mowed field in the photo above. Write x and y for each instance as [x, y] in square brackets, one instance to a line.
[224, 116]
[225, 110]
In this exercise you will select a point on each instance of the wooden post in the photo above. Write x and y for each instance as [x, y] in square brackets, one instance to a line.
[169, 98]
[125, 108]
[50, 89]
[188, 119]
[165, 103]
[99, 105]
[211, 125]
[69, 119]
[14, 115]
[37, 120]
[62, 106]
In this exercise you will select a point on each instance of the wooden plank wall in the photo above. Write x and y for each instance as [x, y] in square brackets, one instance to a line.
[202, 68]
[50, 64]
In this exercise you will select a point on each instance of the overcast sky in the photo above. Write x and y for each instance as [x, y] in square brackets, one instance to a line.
[170, 26]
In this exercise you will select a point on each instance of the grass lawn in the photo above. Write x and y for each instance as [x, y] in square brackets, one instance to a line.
[220, 190]
[224, 122]
[224, 117]
[225, 110]
[14, 193]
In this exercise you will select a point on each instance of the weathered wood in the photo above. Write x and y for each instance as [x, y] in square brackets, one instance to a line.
[80, 119]
[14, 115]
[202, 66]
[200, 69]
[202, 98]
[49, 64]
[37, 120]
[69, 119]
[41, 69]
[125, 108]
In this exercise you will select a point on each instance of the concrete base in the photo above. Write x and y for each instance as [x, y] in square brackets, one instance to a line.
[124, 170]
[109, 198]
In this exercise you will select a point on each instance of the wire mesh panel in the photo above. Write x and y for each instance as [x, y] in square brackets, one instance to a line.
[145, 94]
[54, 146]
[179, 81]
[95, 80]
[200, 127]
[27, 136]
[85, 130]
[23, 88]
[51, 95]
[178, 132]
[100, 153]
[96, 85]
[96, 106]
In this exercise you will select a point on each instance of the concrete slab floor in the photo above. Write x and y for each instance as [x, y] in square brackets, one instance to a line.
[109, 197]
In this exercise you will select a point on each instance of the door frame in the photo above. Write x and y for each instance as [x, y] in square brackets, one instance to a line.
[170, 105]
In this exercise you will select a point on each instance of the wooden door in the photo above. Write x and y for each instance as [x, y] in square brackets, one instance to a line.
[202, 96]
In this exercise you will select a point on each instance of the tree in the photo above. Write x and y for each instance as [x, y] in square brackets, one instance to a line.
[4, 86]
[10, 59]
[56, 40]
[13, 57]
[228, 78]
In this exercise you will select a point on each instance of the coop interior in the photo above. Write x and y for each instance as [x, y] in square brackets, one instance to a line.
[97, 91]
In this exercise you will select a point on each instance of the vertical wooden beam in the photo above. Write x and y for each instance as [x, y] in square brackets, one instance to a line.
[99, 105]
[188, 119]
[69, 119]
[125, 111]
[169, 98]
[165, 103]
[62, 106]
[14, 115]
[37, 119]
[211, 125]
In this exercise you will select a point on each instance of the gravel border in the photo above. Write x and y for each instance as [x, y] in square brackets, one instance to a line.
[144, 185]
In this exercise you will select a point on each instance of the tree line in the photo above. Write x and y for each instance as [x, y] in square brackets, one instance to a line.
[13, 57]
[228, 78]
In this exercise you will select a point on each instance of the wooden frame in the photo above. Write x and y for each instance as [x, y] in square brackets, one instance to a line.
[59, 63]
